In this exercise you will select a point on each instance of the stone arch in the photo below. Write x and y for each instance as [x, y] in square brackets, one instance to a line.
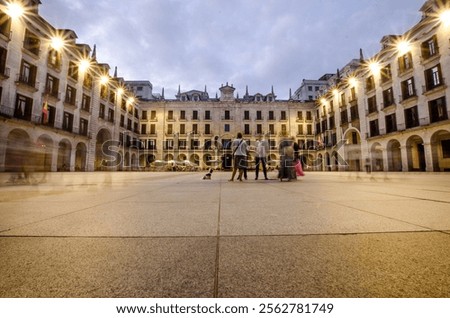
[394, 155]
[352, 149]
[80, 157]
[376, 152]
[44, 153]
[18, 151]
[64, 153]
[440, 150]
[415, 152]
[106, 156]
[320, 162]
[195, 159]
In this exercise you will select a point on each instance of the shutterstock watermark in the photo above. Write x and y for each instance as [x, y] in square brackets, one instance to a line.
[114, 151]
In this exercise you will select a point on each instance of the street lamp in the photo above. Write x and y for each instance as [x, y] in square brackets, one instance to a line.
[444, 17]
[15, 10]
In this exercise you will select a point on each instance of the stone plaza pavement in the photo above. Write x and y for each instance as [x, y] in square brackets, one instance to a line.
[175, 235]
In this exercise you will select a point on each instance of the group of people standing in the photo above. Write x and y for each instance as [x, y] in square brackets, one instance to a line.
[289, 155]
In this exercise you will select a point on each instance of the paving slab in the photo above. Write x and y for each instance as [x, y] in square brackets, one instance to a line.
[368, 265]
[107, 267]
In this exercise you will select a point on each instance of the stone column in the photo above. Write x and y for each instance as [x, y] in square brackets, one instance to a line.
[428, 156]
[404, 154]
[385, 159]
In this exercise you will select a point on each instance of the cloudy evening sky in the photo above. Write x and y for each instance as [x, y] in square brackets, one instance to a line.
[258, 43]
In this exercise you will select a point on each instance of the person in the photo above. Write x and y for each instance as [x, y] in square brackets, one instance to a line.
[262, 148]
[239, 148]
[288, 150]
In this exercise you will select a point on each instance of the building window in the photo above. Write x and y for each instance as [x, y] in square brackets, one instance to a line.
[283, 130]
[31, 42]
[430, 48]
[67, 122]
[308, 115]
[195, 129]
[122, 121]
[54, 59]
[411, 117]
[71, 94]
[226, 128]
[408, 88]
[310, 88]
[271, 115]
[195, 115]
[87, 81]
[272, 129]
[103, 91]
[207, 115]
[5, 25]
[153, 115]
[152, 129]
[83, 127]
[73, 71]
[246, 129]
[169, 129]
[309, 129]
[28, 74]
[386, 74]
[246, 115]
[207, 129]
[283, 115]
[24, 107]
[258, 115]
[52, 86]
[405, 62]
[344, 117]
[182, 129]
[182, 144]
[168, 144]
[391, 123]
[370, 83]
[343, 103]
[374, 130]
[331, 122]
[111, 115]
[372, 103]
[299, 115]
[143, 129]
[300, 129]
[86, 103]
[438, 110]
[354, 114]
[433, 77]
[388, 97]
[227, 115]
[170, 115]
[101, 111]
[259, 129]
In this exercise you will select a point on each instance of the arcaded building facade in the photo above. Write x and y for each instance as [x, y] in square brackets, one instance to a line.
[58, 103]
[392, 113]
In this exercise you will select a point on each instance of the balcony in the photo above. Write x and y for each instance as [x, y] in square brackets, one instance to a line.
[5, 73]
[27, 83]
[430, 88]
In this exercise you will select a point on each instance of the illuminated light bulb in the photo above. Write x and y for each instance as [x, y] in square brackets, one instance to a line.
[104, 80]
[84, 65]
[352, 81]
[131, 100]
[403, 47]
[57, 43]
[444, 17]
[15, 10]
[120, 91]
[374, 68]
[335, 92]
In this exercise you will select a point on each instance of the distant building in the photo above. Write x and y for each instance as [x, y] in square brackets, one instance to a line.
[143, 90]
[310, 90]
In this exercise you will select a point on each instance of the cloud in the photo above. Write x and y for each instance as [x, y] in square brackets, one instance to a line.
[259, 43]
